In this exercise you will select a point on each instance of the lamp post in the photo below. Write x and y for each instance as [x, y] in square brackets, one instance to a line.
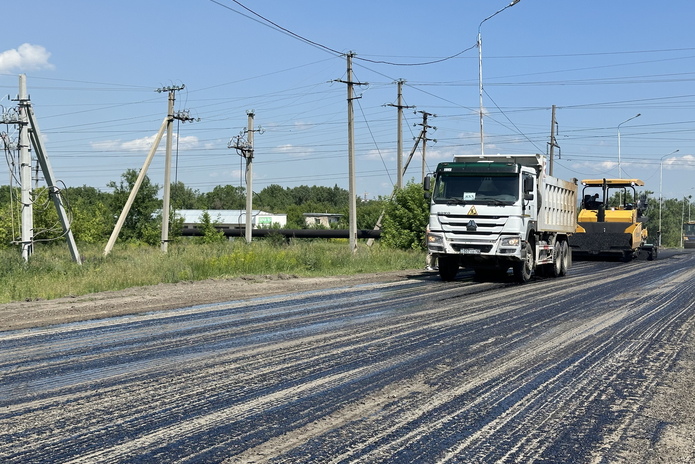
[689, 197]
[480, 71]
[620, 175]
[661, 183]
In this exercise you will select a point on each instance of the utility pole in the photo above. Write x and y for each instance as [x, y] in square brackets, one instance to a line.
[27, 215]
[352, 211]
[553, 142]
[166, 196]
[421, 137]
[167, 166]
[424, 138]
[246, 151]
[166, 125]
[30, 136]
[399, 149]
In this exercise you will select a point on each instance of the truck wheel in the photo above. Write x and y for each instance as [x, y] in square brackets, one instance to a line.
[524, 269]
[556, 267]
[448, 268]
[565, 259]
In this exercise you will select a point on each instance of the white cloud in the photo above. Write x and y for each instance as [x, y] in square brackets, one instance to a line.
[683, 162]
[144, 144]
[26, 57]
[293, 150]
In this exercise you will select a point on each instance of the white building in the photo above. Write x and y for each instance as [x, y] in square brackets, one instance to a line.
[231, 218]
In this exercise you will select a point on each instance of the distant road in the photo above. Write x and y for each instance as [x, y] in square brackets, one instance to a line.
[415, 371]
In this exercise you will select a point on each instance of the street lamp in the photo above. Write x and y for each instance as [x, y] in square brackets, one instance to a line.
[689, 197]
[620, 175]
[480, 70]
[661, 183]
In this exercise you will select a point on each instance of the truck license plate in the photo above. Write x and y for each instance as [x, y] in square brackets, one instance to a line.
[470, 251]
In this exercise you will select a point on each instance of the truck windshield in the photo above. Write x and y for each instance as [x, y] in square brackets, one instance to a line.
[479, 189]
[689, 228]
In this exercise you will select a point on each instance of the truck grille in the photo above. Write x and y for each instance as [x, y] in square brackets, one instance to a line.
[476, 226]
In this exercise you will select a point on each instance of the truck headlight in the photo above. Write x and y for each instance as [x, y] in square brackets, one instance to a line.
[434, 239]
[510, 242]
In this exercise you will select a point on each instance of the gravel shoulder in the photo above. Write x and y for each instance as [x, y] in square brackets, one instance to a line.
[40, 313]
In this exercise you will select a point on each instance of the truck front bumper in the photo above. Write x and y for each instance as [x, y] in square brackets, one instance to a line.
[476, 250]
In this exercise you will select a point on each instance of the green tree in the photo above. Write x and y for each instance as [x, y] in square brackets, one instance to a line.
[90, 223]
[211, 234]
[9, 227]
[90, 214]
[405, 220]
[274, 198]
[182, 197]
[142, 222]
[223, 197]
[9, 215]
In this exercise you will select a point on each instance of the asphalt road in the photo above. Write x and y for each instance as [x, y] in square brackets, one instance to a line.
[414, 371]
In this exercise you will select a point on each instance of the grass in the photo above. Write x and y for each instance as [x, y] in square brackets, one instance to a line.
[50, 272]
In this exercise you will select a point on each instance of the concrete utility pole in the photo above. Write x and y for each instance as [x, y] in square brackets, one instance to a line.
[249, 179]
[166, 125]
[30, 136]
[246, 151]
[424, 138]
[166, 196]
[352, 211]
[553, 142]
[399, 145]
[27, 215]
[167, 168]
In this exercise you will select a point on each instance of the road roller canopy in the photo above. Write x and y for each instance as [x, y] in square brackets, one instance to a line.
[613, 183]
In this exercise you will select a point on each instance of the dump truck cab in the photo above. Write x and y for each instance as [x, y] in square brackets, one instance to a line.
[610, 220]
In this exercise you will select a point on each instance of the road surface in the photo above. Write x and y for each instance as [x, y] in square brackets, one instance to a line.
[581, 369]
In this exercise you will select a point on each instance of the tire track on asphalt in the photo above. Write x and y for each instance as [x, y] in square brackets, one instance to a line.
[372, 383]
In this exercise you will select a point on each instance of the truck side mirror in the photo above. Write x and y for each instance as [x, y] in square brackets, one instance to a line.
[528, 185]
[427, 183]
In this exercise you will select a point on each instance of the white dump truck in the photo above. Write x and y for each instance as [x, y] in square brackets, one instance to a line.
[493, 212]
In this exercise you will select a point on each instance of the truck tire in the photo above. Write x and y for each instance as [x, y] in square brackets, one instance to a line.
[448, 268]
[524, 268]
[566, 258]
[555, 269]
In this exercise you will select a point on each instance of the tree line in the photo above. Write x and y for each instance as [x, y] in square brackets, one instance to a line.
[93, 213]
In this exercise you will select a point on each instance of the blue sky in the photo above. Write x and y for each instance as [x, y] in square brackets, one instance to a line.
[93, 67]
